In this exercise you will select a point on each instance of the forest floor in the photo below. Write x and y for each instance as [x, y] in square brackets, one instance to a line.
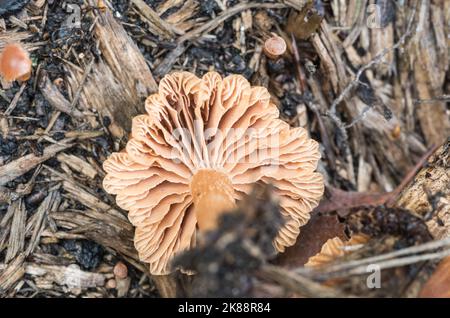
[369, 80]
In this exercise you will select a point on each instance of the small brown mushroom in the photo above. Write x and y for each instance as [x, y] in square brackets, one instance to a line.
[111, 284]
[200, 148]
[15, 63]
[274, 47]
[120, 270]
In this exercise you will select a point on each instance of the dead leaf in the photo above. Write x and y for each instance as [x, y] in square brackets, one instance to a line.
[312, 236]
[340, 200]
[438, 286]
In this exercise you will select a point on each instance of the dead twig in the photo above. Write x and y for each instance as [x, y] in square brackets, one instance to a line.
[15, 100]
[56, 99]
[77, 95]
[298, 283]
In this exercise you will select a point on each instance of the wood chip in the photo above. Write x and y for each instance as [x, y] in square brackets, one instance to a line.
[71, 276]
[56, 99]
[24, 164]
[78, 165]
[16, 241]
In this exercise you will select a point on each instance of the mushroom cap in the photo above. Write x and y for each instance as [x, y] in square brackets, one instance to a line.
[274, 46]
[15, 63]
[216, 124]
[335, 248]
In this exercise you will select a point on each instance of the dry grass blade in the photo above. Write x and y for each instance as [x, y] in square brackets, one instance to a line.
[297, 283]
[388, 260]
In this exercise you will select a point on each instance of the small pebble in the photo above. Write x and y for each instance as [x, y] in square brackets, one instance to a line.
[58, 136]
[106, 121]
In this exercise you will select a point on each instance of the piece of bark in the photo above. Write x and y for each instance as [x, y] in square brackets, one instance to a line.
[119, 81]
[77, 193]
[16, 241]
[185, 18]
[38, 224]
[71, 276]
[428, 194]
[24, 164]
[12, 273]
[78, 165]
[105, 230]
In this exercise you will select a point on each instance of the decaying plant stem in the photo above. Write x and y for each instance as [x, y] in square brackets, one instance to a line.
[173, 285]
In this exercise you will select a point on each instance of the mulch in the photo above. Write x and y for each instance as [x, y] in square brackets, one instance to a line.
[362, 77]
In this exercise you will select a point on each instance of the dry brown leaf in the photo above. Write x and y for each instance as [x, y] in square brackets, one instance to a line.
[438, 286]
[313, 235]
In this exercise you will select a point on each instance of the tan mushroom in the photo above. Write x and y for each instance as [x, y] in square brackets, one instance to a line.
[274, 47]
[15, 63]
[335, 248]
[201, 146]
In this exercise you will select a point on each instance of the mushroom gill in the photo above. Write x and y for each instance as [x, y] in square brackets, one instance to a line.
[199, 149]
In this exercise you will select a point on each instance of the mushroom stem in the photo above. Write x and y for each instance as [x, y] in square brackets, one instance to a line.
[212, 192]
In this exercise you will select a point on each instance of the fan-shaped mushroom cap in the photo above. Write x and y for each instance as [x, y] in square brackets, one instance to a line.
[201, 146]
[15, 63]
